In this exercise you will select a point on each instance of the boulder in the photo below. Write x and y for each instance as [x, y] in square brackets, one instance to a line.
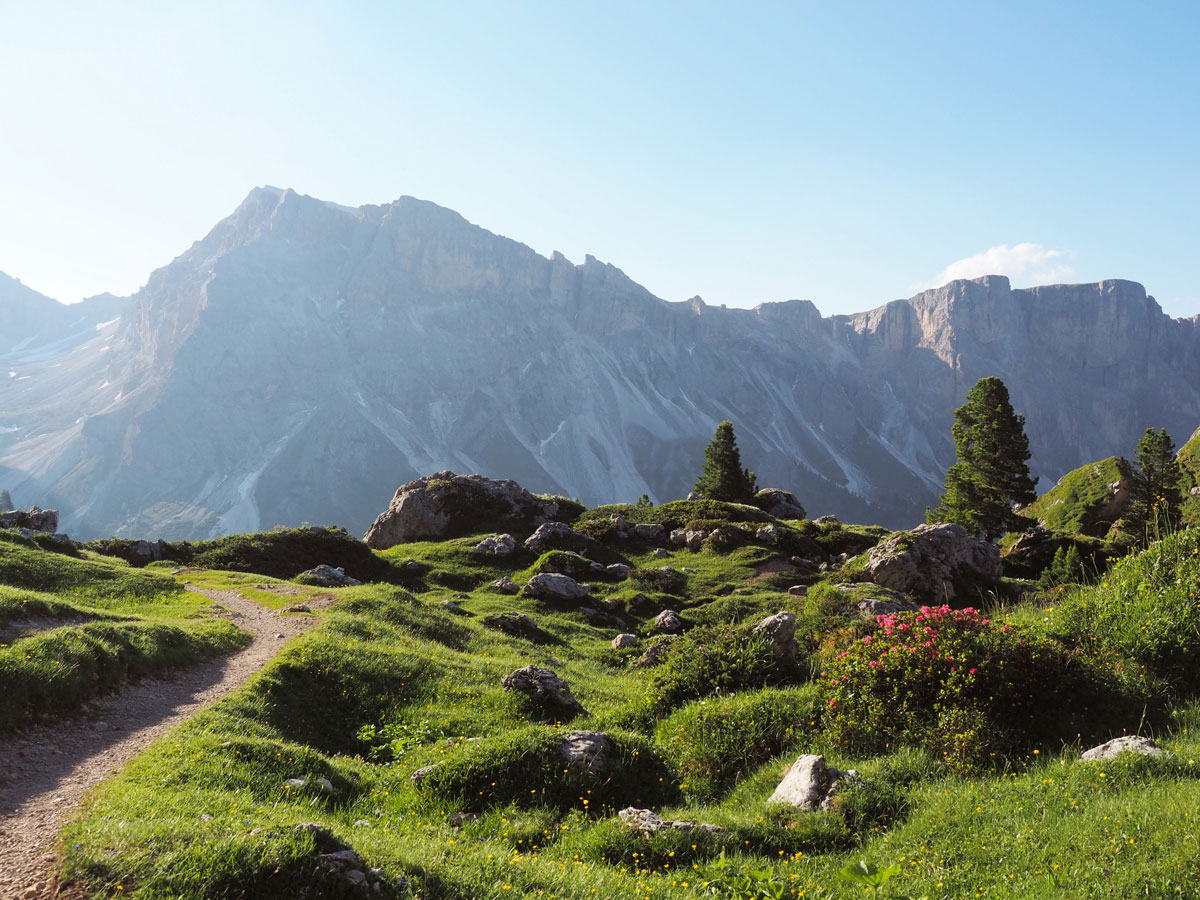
[42, 521]
[781, 628]
[1129, 743]
[668, 622]
[870, 607]
[446, 505]
[515, 625]
[498, 545]
[649, 532]
[780, 504]
[646, 823]
[149, 551]
[798, 590]
[327, 576]
[930, 559]
[768, 534]
[506, 585]
[809, 784]
[552, 586]
[418, 776]
[617, 570]
[586, 751]
[555, 536]
[622, 641]
[544, 688]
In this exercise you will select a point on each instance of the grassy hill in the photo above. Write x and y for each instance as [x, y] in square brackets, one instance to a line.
[967, 746]
[1083, 501]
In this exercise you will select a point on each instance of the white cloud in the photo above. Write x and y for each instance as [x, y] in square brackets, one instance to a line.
[1025, 264]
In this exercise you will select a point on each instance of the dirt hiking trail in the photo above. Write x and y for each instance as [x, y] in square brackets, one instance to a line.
[45, 771]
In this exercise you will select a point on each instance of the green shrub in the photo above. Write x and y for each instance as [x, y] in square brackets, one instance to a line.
[717, 659]
[286, 552]
[717, 741]
[525, 767]
[664, 579]
[1146, 610]
[967, 688]
[564, 562]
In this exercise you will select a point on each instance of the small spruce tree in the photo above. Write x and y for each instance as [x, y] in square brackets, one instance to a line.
[991, 473]
[644, 502]
[723, 477]
[1156, 494]
[5, 500]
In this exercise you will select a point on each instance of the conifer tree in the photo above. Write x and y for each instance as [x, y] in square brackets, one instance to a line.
[5, 500]
[991, 472]
[1157, 497]
[723, 477]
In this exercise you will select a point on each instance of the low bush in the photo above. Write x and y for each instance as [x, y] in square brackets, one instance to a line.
[716, 742]
[286, 552]
[564, 562]
[966, 687]
[717, 659]
[525, 767]
[664, 579]
[1146, 610]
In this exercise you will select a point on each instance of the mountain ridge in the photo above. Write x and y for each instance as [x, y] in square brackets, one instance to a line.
[303, 359]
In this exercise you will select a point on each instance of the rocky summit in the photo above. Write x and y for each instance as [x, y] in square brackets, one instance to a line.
[303, 359]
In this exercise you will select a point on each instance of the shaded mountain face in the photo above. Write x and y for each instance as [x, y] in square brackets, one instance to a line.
[304, 359]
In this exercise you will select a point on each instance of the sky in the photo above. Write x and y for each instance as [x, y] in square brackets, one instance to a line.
[845, 153]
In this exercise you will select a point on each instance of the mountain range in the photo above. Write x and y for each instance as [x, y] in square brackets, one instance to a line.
[304, 359]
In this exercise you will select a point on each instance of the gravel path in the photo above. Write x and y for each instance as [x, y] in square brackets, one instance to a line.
[46, 770]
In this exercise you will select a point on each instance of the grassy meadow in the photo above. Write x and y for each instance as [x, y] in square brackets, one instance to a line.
[968, 747]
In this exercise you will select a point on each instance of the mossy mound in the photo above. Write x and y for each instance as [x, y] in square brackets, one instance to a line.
[1087, 500]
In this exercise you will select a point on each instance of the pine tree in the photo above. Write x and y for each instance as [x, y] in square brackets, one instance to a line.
[5, 500]
[723, 477]
[1157, 497]
[991, 473]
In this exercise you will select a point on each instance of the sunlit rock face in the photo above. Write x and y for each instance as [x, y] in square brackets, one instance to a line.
[304, 360]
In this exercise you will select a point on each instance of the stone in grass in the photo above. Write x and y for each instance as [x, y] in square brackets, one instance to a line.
[668, 622]
[555, 536]
[506, 585]
[809, 784]
[453, 607]
[418, 776]
[617, 570]
[552, 586]
[781, 628]
[297, 608]
[586, 751]
[327, 576]
[544, 688]
[621, 641]
[498, 545]
[1131, 743]
[646, 823]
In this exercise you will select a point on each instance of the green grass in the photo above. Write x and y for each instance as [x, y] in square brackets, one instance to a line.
[75, 628]
[1073, 504]
[207, 811]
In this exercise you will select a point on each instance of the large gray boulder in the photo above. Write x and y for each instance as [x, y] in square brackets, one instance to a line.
[930, 559]
[780, 504]
[781, 628]
[544, 688]
[1126, 744]
[445, 505]
[555, 587]
[554, 536]
[809, 784]
[43, 521]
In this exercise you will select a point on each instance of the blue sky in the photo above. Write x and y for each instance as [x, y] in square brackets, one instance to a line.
[847, 153]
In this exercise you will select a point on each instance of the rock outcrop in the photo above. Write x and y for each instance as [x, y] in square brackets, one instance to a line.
[544, 688]
[781, 629]
[327, 576]
[445, 505]
[43, 521]
[809, 784]
[932, 562]
[1127, 744]
[778, 503]
[645, 822]
[555, 536]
